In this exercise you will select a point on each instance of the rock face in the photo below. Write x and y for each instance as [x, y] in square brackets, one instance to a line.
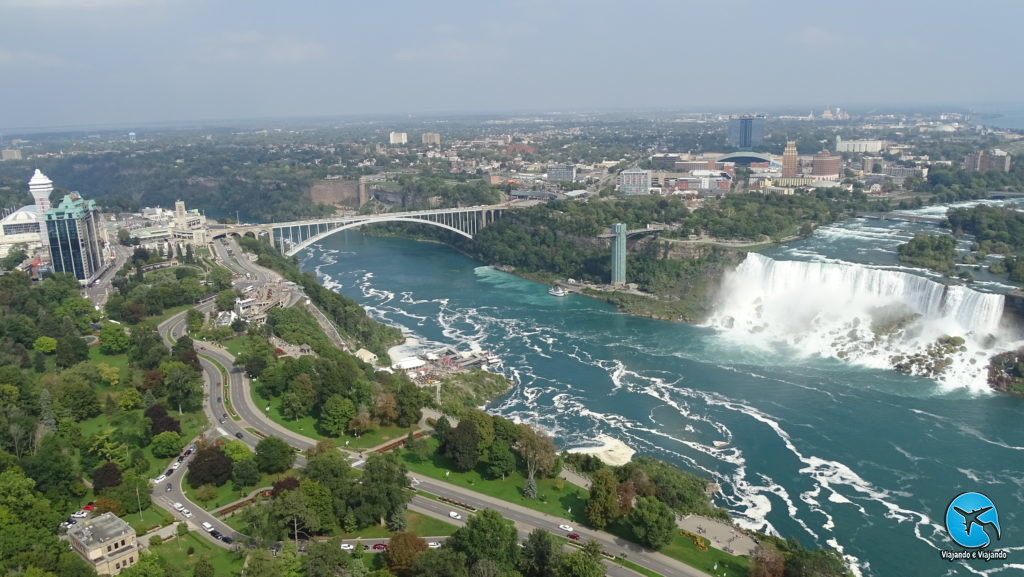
[336, 192]
[933, 361]
[1006, 372]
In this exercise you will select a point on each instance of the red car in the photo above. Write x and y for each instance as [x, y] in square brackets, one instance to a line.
[380, 547]
[574, 536]
[87, 508]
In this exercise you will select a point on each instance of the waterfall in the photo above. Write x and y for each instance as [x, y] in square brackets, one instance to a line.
[869, 316]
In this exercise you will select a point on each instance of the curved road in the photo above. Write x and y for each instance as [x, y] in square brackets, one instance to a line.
[251, 417]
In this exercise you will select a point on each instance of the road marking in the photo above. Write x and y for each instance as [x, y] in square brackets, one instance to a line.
[223, 432]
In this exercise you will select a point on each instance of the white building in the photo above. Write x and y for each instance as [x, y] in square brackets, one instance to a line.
[635, 181]
[398, 138]
[21, 227]
[868, 146]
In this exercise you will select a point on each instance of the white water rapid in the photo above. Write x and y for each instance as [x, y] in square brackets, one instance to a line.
[869, 316]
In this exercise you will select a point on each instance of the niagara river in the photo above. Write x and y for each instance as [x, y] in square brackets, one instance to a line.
[831, 449]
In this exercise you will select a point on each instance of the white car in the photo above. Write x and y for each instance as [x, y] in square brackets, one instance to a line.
[186, 513]
[454, 515]
[348, 547]
[80, 514]
[434, 545]
[176, 465]
[159, 479]
[566, 528]
[178, 506]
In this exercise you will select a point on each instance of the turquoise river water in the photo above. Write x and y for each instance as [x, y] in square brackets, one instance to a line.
[830, 451]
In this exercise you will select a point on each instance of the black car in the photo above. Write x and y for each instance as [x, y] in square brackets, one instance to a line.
[181, 458]
[227, 539]
[240, 435]
[216, 534]
[169, 472]
[168, 488]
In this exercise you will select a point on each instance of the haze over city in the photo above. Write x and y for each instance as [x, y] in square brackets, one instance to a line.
[89, 62]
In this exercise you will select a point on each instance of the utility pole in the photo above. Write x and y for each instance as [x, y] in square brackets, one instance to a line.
[138, 500]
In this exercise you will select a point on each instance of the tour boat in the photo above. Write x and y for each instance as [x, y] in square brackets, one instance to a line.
[557, 291]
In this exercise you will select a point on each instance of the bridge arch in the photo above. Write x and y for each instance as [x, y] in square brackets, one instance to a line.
[377, 219]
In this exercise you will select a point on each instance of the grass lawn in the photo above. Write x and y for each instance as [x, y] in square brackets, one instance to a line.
[307, 426]
[150, 517]
[233, 345]
[118, 361]
[225, 563]
[428, 526]
[226, 493]
[551, 499]
[191, 424]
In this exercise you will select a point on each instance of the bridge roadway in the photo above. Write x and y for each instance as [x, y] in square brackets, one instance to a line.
[252, 418]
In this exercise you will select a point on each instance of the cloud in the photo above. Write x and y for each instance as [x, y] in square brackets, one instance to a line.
[25, 59]
[449, 50]
[76, 4]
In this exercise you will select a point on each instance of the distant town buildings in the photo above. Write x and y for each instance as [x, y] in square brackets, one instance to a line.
[790, 161]
[398, 138]
[746, 131]
[826, 166]
[561, 173]
[635, 181]
[619, 254]
[164, 226]
[10, 154]
[23, 226]
[430, 139]
[73, 233]
[863, 146]
[106, 542]
[985, 160]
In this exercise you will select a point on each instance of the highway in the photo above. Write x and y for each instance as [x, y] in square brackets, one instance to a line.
[252, 417]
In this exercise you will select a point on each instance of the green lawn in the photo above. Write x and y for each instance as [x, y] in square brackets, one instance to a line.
[191, 424]
[119, 361]
[226, 493]
[307, 426]
[150, 517]
[225, 563]
[233, 345]
[428, 526]
[551, 499]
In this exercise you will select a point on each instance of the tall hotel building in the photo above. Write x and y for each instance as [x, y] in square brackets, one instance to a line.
[790, 161]
[73, 233]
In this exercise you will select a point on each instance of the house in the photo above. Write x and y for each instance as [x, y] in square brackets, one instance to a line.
[366, 356]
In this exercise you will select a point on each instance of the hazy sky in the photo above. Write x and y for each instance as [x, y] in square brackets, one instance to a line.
[78, 62]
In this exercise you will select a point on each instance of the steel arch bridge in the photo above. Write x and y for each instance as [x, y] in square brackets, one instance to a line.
[292, 237]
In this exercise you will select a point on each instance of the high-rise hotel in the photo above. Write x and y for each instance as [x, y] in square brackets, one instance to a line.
[73, 233]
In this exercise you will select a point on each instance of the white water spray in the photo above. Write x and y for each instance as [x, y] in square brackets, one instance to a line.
[869, 316]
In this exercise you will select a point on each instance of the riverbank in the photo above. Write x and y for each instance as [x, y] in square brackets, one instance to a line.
[611, 451]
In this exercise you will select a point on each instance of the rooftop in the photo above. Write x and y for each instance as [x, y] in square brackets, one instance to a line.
[97, 531]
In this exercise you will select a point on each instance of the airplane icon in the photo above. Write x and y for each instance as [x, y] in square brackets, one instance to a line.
[972, 519]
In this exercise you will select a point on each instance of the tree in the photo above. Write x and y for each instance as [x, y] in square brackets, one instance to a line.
[274, 455]
[462, 444]
[579, 564]
[245, 473]
[485, 568]
[768, 562]
[603, 504]
[206, 493]
[325, 559]
[203, 567]
[71, 350]
[133, 493]
[501, 461]
[652, 522]
[384, 489]
[106, 475]
[487, 535]
[193, 321]
[113, 340]
[237, 450]
[105, 504]
[225, 299]
[209, 466]
[183, 385]
[537, 449]
[402, 551]
[335, 415]
[45, 345]
[541, 554]
[442, 562]
[166, 444]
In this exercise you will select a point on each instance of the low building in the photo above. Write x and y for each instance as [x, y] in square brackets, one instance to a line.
[10, 154]
[366, 356]
[106, 542]
[870, 146]
[635, 181]
[561, 173]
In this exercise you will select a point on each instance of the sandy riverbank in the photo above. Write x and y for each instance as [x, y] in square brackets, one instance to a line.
[611, 451]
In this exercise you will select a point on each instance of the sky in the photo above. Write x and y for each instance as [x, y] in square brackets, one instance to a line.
[117, 62]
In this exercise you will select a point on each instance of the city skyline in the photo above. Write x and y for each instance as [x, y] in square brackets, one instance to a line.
[88, 62]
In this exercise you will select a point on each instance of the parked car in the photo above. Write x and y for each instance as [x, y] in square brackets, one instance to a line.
[566, 528]
[88, 506]
[574, 536]
[227, 539]
[454, 515]
[80, 514]
[186, 513]
[169, 473]
[175, 465]
[380, 547]
[160, 479]
[434, 545]
[216, 534]
[178, 506]
[207, 527]
[181, 458]
[348, 547]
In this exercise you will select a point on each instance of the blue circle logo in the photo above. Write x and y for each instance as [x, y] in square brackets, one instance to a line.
[972, 521]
